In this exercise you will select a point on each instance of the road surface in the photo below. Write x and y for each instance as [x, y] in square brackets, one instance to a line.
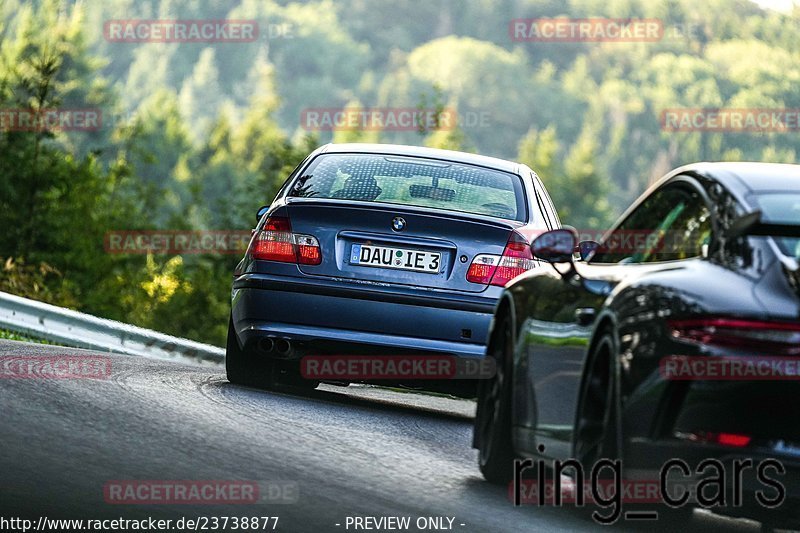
[347, 452]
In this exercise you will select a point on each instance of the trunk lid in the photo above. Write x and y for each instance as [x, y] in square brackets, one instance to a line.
[433, 249]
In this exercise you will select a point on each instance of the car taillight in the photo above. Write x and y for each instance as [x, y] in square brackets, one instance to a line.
[767, 336]
[276, 242]
[500, 269]
[482, 268]
[734, 440]
[308, 252]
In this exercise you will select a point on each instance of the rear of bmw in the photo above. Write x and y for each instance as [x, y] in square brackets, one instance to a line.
[380, 250]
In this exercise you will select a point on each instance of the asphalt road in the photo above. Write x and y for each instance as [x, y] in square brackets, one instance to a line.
[357, 451]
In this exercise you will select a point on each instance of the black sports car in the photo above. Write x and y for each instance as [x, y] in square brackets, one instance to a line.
[675, 340]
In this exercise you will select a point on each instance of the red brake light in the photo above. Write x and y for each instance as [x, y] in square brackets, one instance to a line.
[500, 269]
[482, 268]
[279, 224]
[308, 252]
[766, 336]
[276, 242]
[734, 440]
[517, 259]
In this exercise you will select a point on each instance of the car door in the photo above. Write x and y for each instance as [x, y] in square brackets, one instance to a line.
[561, 311]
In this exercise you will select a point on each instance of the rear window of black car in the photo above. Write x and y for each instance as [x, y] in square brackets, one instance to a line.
[413, 181]
[782, 208]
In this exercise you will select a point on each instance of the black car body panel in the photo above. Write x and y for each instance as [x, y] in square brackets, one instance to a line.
[745, 278]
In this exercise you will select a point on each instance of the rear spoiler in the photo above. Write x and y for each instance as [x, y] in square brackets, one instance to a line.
[751, 224]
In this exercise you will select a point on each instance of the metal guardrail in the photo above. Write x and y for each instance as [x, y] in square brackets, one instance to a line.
[59, 325]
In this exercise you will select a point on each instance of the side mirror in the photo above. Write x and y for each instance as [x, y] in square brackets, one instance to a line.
[260, 213]
[587, 248]
[555, 246]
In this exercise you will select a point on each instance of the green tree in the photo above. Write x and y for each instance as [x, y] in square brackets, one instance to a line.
[349, 134]
[578, 190]
[201, 96]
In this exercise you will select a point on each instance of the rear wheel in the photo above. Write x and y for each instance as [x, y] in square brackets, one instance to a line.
[244, 367]
[599, 426]
[493, 417]
[595, 424]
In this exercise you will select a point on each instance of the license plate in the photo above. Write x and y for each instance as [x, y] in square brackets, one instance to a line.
[397, 258]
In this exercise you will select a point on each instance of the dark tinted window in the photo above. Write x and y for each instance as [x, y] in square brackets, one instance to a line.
[540, 204]
[545, 204]
[671, 224]
[413, 181]
[782, 208]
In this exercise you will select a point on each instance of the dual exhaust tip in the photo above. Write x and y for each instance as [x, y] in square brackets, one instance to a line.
[282, 347]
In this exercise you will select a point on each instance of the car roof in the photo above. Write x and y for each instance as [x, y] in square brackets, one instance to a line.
[422, 151]
[738, 177]
[749, 177]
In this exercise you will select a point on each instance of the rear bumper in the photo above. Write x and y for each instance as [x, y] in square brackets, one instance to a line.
[754, 475]
[669, 418]
[341, 317]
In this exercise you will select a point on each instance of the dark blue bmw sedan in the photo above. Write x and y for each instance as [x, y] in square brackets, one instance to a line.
[381, 250]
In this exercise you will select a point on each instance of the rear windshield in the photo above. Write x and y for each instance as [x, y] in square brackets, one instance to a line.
[782, 208]
[413, 181]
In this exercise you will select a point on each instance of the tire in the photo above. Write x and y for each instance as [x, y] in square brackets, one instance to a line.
[595, 419]
[243, 367]
[598, 426]
[496, 453]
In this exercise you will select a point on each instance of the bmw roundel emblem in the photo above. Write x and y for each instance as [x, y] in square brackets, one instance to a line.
[398, 223]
